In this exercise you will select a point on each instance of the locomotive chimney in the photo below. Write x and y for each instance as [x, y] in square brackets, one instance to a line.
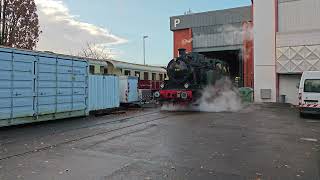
[182, 52]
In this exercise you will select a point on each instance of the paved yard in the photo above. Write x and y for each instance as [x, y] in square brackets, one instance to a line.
[260, 142]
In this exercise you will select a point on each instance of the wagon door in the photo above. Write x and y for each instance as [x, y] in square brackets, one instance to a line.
[79, 85]
[46, 87]
[64, 81]
[133, 95]
[6, 66]
[24, 84]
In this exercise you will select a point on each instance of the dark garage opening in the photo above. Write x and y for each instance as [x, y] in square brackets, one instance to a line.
[234, 59]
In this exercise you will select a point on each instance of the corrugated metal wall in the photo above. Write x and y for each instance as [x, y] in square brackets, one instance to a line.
[37, 86]
[103, 92]
[217, 35]
[226, 16]
[299, 15]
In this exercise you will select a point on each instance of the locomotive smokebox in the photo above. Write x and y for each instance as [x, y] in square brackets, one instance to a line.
[182, 52]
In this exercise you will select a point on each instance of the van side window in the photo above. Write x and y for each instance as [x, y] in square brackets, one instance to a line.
[312, 85]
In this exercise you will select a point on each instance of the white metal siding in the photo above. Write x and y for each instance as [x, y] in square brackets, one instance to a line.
[298, 38]
[287, 86]
[264, 49]
[299, 15]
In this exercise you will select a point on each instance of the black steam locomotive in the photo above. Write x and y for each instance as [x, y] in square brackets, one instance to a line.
[188, 75]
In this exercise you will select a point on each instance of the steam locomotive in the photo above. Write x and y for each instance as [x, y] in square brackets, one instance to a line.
[188, 75]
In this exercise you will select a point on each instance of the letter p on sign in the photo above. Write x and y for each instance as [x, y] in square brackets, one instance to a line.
[176, 22]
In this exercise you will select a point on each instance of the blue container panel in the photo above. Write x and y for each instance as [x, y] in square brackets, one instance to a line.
[5, 113]
[5, 93]
[23, 85]
[65, 107]
[5, 56]
[65, 69]
[45, 100]
[64, 99]
[5, 103]
[5, 84]
[46, 109]
[65, 62]
[79, 70]
[80, 64]
[133, 94]
[64, 77]
[5, 75]
[47, 68]
[5, 65]
[47, 85]
[65, 91]
[47, 60]
[78, 106]
[46, 76]
[33, 84]
[24, 57]
[103, 92]
[46, 92]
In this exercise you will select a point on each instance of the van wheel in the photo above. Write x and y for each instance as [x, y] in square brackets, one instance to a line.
[302, 115]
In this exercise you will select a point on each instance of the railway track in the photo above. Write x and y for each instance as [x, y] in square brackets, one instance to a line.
[78, 128]
[72, 140]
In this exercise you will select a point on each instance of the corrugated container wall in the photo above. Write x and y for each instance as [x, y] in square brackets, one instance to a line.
[37, 86]
[103, 92]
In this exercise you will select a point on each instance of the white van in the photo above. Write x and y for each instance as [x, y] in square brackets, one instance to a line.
[309, 93]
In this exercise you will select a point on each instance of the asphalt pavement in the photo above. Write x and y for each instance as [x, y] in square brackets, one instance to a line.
[262, 141]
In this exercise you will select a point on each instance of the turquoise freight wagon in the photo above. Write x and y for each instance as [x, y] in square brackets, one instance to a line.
[37, 86]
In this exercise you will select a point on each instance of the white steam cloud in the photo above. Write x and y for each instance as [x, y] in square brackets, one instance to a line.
[222, 97]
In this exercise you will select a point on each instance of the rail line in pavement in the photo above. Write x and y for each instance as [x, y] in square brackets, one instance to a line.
[82, 127]
[36, 150]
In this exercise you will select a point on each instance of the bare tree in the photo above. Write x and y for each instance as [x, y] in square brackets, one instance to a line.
[19, 24]
[96, 51]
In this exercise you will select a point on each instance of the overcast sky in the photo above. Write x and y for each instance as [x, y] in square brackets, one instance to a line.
[119, 25]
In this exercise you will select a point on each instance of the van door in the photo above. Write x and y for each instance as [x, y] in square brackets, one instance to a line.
[311, 92]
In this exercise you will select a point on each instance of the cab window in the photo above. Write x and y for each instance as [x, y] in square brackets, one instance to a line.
[127, 73]
[161, 77]
[312, 85]
[154, 76]
[91, 69]
[146, 75]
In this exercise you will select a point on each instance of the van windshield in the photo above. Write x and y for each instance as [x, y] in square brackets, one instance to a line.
[312, 85]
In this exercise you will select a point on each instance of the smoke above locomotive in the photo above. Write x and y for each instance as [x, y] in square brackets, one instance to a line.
[188, 75]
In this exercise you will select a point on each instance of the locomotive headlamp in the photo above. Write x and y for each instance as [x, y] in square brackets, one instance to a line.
[156, 94]
[162, 86]
[186, 85]
[184, 95]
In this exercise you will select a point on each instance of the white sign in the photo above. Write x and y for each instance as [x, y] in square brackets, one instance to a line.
[176, 22]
